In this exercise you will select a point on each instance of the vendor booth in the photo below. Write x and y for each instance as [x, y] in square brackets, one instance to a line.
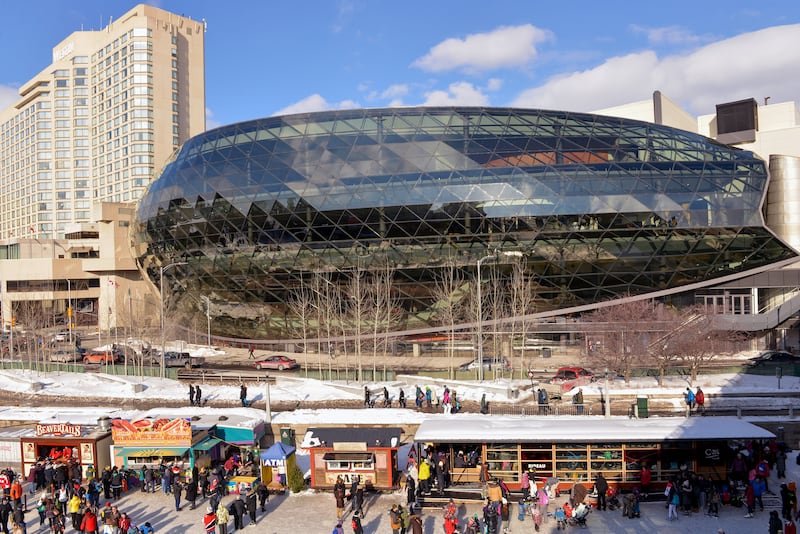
[153, 441]
[366, 454]
[66, 443]
[275, 464]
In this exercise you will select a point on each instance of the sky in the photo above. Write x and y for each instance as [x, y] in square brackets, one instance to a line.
[271, 58]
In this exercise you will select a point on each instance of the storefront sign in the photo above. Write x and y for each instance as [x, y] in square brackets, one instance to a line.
[58, 429]
[152, 433]
[273, 462]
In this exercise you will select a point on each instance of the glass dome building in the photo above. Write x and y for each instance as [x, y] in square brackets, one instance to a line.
[597, 206]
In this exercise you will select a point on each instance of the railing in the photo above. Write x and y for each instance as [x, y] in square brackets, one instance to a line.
[496, 408]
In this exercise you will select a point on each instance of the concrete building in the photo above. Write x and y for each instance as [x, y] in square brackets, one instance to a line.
[77, 150]
[91, 267]
[99, 122]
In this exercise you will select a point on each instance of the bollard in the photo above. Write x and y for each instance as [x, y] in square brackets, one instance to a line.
[739, 412]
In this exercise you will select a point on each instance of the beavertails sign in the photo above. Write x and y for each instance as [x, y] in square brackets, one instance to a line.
[151, 432]
[58, 429]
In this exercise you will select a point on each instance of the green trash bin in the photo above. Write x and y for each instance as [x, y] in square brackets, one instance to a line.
[641, 406]
[287, 436]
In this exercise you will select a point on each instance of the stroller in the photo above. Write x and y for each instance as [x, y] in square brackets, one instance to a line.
[579, 515]
[612, 499]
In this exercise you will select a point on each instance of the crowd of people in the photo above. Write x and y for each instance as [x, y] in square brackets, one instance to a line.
[87, 502]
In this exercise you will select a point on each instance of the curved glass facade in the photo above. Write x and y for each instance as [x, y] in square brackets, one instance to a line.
[599, 206]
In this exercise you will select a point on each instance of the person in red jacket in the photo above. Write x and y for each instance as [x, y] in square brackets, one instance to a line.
[700, 401]
[210, 521]
[16, 492]
[89, 522]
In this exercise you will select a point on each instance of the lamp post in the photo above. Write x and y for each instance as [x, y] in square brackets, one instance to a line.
[161, 295]
[208, 317]
[69, 309]
[515, 253]
[480, 315]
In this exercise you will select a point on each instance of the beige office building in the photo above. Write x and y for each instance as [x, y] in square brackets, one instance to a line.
[77, 150]
[100, 121]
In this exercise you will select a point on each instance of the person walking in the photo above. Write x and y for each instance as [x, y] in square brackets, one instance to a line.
[223, 516]
[243, 394]
[338, 494]
[402, 399]
[689, 398]
[700, 400]
[601, 485]
[191, 394]
[177, 492]
[263, 495]
[252, 505]
[210, 521]
[542, 399]
[191, 493]
[237, 509]
[356, 524]
[251, 355]
[198, 396]
[367, 397]
[577, 400]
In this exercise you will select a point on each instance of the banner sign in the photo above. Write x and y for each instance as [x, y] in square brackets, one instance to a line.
[152, 432]
[57, 429]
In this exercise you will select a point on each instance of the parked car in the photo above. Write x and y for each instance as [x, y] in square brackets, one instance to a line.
[277, 362]
[565, 374]
[66, 356]
[61, 335]
[774, 357]
[179, 359]
[101, 356]
[489, 362]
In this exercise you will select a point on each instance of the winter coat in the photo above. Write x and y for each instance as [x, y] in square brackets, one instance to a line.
[89, 522]
[222, 515]
[237, 507]
[338, 493]
[191, 491]
[416, 524]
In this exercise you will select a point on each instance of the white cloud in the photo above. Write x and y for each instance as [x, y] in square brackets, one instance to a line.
[494, 84]
[670, 35]
[315, 102]
[755, 64]
[8, 96]
[394, 91]
[457, 94]
[210, 122]
[505, 47]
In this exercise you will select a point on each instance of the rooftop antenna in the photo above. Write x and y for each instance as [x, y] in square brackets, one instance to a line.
[766, 100]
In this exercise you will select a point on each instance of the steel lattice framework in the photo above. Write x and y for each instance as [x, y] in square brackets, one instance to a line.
[599, 206]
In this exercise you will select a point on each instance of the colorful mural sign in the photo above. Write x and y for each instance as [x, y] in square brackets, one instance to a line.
[152, 432]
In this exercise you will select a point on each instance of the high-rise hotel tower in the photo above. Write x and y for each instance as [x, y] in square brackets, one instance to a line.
[100, 121]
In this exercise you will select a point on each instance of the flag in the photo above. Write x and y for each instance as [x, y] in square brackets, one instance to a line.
[31, 229]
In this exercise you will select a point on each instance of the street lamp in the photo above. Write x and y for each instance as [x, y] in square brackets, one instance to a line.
[161, 295]
[481, 261]
[69, 309]
[208, 317]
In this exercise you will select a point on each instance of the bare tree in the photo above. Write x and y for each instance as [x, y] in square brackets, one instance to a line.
[301, 303]
[522, 294]
[699, 342]
[448, 292]
[627, 331]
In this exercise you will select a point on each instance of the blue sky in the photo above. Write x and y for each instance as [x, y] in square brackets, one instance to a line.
[269, 57]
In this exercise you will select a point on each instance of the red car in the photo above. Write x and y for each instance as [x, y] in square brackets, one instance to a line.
[278, 362]
[566, 374]
[101, 356]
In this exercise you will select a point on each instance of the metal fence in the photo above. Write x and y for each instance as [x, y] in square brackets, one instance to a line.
[496, 408]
